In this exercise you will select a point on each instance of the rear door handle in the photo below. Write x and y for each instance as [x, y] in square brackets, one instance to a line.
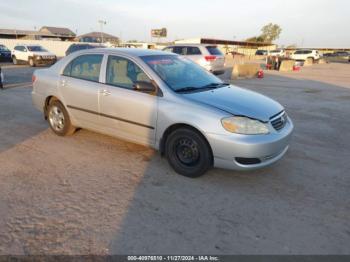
[105, 92]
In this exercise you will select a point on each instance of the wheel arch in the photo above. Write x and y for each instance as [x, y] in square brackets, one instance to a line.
[177, 126]
[48, 100]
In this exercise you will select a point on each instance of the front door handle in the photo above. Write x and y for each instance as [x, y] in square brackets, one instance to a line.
[105, 92]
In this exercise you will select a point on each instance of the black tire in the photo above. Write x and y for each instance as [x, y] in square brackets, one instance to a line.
[188, 153]
[59, 120]
[31, 62]
[14, 60]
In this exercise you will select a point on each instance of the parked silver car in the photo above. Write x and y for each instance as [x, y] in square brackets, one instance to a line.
[207, 56]
[164, 101]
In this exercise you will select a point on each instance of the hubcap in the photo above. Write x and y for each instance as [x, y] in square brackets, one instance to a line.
[186, 151]
[56, 118]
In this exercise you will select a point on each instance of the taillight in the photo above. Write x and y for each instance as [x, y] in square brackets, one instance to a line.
[210, 58]
[33, 78]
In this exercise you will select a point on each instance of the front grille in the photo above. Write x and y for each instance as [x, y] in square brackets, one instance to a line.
[280, 122]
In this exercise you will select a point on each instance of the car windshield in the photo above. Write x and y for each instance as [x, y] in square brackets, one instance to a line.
[36, 48]
[3, 48]
[181, 74]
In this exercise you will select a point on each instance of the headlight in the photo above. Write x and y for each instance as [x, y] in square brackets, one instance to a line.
[244, 125]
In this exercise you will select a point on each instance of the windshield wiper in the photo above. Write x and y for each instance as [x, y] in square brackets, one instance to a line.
[202, 88]
[187, 89]
[215, 85]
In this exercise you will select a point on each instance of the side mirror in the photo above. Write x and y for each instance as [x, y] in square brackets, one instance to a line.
[143, 86]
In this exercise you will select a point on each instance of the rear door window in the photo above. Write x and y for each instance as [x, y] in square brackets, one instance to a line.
[213, 50]
[86, 67]
[180, 50]
[193, 50]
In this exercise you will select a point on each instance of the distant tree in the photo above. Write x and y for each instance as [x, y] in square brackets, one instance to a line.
[255, 39]
[271, 32]
[293, 46]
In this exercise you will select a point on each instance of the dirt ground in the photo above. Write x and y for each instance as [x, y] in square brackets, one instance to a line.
[93, 194]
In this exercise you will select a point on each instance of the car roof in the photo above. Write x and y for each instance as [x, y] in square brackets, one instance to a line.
[137, 52]
[194, 45]
[27, 45]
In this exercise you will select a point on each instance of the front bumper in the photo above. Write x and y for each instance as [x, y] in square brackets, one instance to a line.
[268, 149]
[45, 61]
[5, 57]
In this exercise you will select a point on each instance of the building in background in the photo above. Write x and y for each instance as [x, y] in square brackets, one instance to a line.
[50, 33]
[65, 34]
[22, 34]
[99, 37]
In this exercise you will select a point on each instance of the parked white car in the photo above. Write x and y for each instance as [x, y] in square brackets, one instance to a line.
[33, 55]
[277, 52]
[207, 56]
[302, 55]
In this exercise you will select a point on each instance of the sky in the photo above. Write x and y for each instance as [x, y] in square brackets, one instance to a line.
[306, 23]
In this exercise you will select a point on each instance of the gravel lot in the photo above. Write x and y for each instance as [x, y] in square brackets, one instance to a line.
[93, 194]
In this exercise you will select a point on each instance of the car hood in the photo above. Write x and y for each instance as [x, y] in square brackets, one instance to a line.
[238, 101]
[43, 53]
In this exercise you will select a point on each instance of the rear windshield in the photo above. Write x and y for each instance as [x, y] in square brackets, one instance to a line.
[3, 48]
[213, 50]
[82, 47]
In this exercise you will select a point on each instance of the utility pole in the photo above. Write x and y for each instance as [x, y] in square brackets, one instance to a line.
[102, 23]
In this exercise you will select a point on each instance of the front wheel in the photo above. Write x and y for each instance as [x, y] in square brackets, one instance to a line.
[188, 153]
[59, 120]
[31, 62]
[14, 60]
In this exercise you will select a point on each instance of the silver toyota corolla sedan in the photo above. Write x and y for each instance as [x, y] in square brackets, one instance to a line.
[164, 101]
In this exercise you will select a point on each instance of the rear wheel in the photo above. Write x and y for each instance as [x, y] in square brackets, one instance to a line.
[59, 120]
[188, 153]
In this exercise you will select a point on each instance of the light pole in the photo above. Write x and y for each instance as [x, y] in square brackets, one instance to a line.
[102, 23]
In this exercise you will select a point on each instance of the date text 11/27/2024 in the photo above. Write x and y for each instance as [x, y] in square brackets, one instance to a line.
[173, 258]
